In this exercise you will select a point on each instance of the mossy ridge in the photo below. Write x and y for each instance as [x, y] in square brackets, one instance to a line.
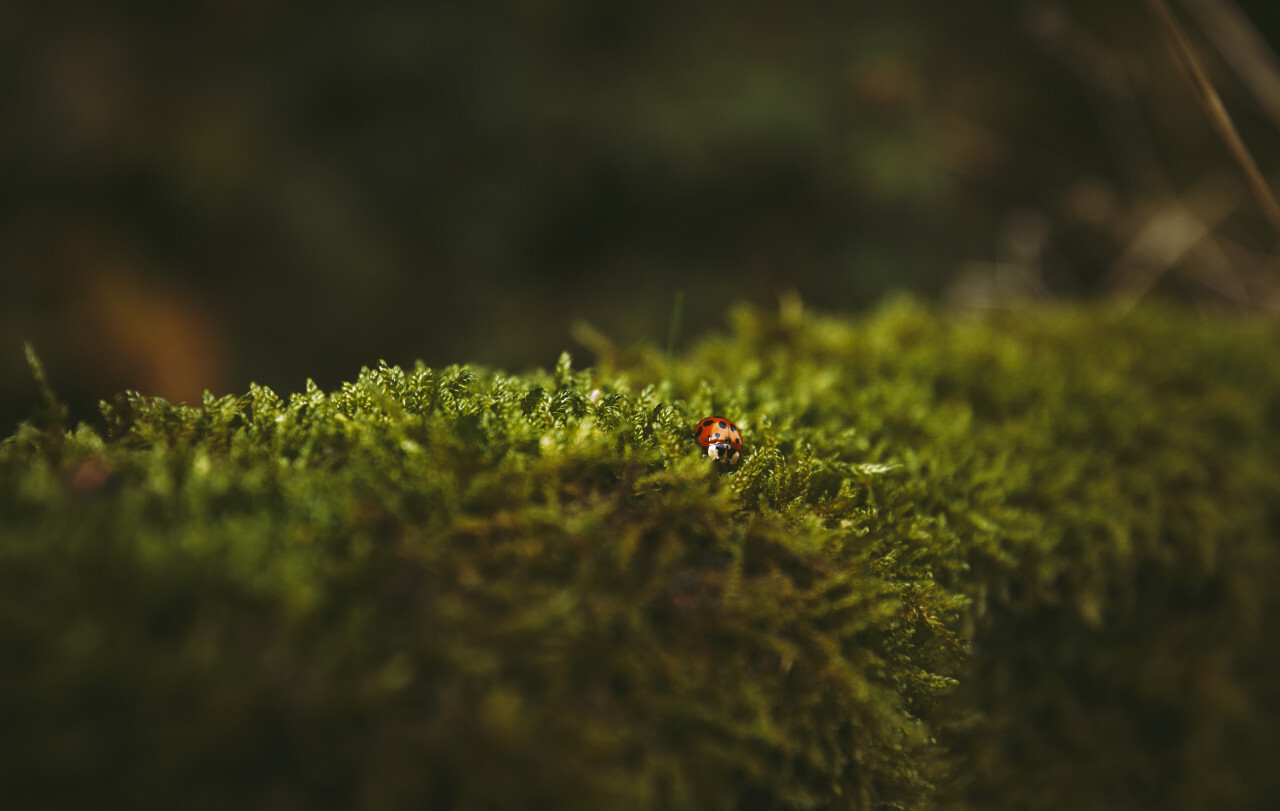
[538, 576]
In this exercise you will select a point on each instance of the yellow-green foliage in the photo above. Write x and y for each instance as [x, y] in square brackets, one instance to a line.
[1023, 562]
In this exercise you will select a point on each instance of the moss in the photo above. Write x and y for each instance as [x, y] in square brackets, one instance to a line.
[1023, 561]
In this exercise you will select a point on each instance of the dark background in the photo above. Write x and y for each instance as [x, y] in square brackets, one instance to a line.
[200, 195]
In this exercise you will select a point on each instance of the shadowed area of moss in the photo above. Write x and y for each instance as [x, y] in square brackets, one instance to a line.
[1020, 562]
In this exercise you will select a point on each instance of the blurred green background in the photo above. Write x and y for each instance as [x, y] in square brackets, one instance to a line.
[203, 194]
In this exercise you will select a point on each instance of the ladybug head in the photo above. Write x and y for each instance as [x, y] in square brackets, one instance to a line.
[723, 453]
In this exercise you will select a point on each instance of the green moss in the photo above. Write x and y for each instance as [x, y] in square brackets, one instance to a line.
[1020, 562]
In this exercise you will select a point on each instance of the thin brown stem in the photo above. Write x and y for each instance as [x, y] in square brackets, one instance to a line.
[1216, 110]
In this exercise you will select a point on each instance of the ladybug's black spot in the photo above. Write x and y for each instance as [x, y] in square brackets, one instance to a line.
[723, 424]
[705, 423]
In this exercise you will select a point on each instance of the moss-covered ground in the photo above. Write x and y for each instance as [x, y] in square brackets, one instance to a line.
[1027, 561]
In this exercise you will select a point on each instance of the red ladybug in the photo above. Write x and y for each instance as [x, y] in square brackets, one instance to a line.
[721, 438]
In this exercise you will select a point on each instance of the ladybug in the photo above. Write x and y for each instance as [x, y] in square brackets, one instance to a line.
[721, 438]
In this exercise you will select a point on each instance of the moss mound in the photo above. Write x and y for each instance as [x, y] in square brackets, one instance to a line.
[1022, 562]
